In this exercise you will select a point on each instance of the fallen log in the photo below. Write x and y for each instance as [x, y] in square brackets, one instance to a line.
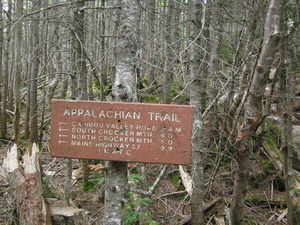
[272, 152]
[60, 208]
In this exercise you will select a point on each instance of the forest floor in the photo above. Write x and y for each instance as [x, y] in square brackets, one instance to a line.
[170, 203]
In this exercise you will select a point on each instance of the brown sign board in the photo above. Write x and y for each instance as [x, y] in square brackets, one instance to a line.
[118, 131]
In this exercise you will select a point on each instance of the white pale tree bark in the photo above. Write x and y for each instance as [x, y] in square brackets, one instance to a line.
[124, 90]
[253, 108]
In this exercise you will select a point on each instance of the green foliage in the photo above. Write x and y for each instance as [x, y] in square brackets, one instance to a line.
[87, 186]
[96, 178]
[144, 81]
[270, 140]
[132, 216]
[251, 221]
[134, 177]
[297, 191]
[272, 128]
[176, 89]
[133, 213]
[96, 89]
[149, 99]
[255, 199]
[176, 180]
[107, 87]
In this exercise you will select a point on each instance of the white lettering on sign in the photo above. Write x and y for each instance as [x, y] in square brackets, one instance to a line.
[82, 143]
[119, 136]
[125, 137]
[102, 113]
[111, 114]
[122, 132]
[163, 116]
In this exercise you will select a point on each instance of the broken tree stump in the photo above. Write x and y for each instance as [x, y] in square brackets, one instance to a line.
[24, 178]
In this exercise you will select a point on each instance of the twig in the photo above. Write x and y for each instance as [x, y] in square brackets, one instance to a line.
[159, 178]
[173, 193]
[139, 191]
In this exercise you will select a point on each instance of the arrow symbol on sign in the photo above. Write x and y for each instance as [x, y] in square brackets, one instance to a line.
[61, 123]
[62, 129]
[63, 135]
[60, 141]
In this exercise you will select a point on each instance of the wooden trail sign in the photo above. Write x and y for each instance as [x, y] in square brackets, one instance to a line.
[118, 131]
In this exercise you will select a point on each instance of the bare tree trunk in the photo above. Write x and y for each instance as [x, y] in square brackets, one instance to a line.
[18, 71]
[195, 101]
[103, 70]
[124, 90]
[80, 67]
[34, 74]
[78, 81]
[168, 60]
[253, 109]
[5, 75]
[2, 113]
[27, 108]
[151, 30]
[287, 88]
[214, 39]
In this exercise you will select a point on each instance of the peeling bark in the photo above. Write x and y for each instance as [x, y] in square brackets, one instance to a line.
[253, 108]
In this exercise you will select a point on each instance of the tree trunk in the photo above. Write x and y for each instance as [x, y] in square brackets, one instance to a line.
[124, 90]
[195, 101]
[151, 6]
[2, 113]
[115, 192]
[34, 74]
[79, 36]
[168, 60]
[6, 75]
[253, 109]
[103, 69]
[287, 90]
[18, 71]
[25, 180]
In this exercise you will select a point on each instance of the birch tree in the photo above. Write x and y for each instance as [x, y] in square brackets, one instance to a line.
[253, 108]
[124, 90]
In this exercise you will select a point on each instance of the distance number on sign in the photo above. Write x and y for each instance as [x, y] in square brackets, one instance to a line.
[167, 136]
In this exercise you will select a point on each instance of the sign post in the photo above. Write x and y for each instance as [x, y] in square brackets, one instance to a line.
[119, 131]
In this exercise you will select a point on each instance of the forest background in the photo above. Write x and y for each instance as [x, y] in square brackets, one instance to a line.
[204, 53]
